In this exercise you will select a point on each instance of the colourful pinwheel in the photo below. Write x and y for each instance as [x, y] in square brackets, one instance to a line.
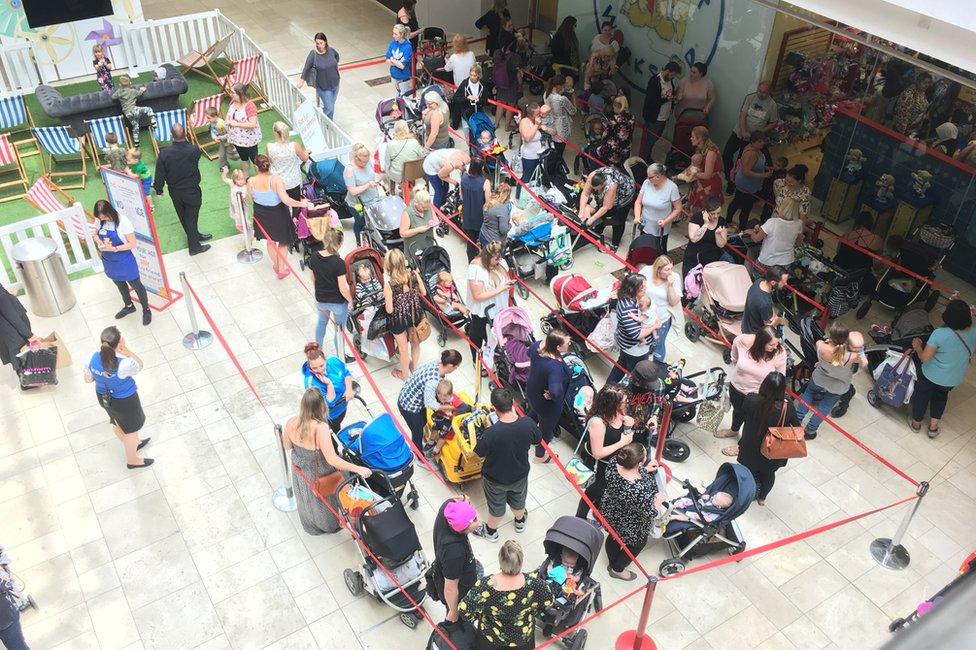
[11, 16]
[106, 35]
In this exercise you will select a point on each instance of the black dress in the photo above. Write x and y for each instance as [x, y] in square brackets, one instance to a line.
[705, 250]
[755, 426]
[15, 329]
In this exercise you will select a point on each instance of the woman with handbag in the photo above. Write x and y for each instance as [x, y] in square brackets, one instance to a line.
[608, 430]
[837, 358]
[545, 387]
[760, 411]
[313, 453]
[112, 369]
[401, 294]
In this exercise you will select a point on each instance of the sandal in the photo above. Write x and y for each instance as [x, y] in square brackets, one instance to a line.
[731, 450]
[726, 433]
[916, 426]
[631, 576]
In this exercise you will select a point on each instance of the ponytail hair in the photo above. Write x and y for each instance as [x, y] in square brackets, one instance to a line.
[110, 341]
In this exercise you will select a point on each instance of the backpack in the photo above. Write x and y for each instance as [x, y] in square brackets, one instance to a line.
[693, 282]
[503, 68]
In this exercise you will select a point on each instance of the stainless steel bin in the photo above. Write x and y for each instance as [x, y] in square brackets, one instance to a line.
[45, 279]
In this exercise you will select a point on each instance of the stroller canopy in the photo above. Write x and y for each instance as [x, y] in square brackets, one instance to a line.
[363, 255]
[479, 122]
[385, 107]
[727, 284]
[379, 444]
[433, 260]
[577, 535]
[328, 174]
[385, 214]
[571, 291]
[512, 323]
[738, 481]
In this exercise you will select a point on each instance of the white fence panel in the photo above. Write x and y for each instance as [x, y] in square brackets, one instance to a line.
[18, 72]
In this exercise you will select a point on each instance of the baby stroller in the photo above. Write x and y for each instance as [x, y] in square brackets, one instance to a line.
[579, 536]
[432, 261]
[538, 248]
[479, 123]
[14, 587]
[324, 184]
[965, 575]
[914, 323]
[810, 332]
[384, 114]
[644, 249]
[512, 330]
[311, 227]
[690, 539]
[720, 304]
[386, 531]
[415, 103]
[897, 290]
[578, 397]
[379, 446]
[578, 304]
[595, 130]
[367, 322]
[681, 151]
[539, 64]
[432, 41]
[382, 231]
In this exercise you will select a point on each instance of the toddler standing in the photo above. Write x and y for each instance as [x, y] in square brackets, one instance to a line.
[140, 170]
[103, 67]
[115, 156]
[238, 195]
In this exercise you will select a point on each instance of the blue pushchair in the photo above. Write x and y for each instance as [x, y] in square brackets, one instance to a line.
[324, 183]
[379, 446]
[477, 124]
[699, 536]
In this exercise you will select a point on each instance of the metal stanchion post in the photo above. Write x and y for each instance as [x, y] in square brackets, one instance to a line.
[284, 496]
[638, 639]
[248, 254]
[197, 339]
[889, 553]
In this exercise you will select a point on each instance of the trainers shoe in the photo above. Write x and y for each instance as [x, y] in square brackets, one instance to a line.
[146, 317]
[483, 533]
[520, 525]
[125, 311]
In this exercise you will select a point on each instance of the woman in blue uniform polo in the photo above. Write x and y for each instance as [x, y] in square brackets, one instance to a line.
[331, 378]
[112, 369]
[116, 240]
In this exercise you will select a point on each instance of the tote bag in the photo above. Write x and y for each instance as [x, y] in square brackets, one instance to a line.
[782, 442]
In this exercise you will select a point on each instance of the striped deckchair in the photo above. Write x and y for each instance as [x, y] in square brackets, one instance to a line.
[57, 141]
[194, 61]
[12, 172]
[199, 126]
[48, 198]
[245, 72]
[164, 123]
[102, 126]
[16, 121]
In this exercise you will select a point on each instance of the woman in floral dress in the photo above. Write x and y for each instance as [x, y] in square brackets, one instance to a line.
[620, 134]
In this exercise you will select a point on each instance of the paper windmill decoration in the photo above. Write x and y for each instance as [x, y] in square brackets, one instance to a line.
[106, 35]
[11, 16]
[54, 42]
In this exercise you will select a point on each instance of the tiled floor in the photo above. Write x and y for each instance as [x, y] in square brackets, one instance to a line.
[191, 553]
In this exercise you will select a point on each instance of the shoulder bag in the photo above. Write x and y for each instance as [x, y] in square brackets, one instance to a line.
[782, 442]
[964, 344]
[325, 486]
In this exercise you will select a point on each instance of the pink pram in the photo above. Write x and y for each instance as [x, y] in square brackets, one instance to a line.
[512, 329]
[720, 303]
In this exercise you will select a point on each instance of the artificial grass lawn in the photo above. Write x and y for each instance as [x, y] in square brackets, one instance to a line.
[214, 217]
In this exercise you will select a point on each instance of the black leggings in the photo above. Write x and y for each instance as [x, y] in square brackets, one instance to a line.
[616, 555]
[138, 287]
[736, 398]
[765, 478]
[477, 331]
[472, 246]
[742, 203]
[617, 220]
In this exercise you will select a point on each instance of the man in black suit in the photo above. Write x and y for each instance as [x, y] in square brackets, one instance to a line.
[178, 165]
[658, 103]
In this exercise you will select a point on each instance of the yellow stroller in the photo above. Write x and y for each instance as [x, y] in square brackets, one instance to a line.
[456, 458]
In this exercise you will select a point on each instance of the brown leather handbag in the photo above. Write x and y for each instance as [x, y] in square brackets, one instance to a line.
[326, 486]
[782, 442]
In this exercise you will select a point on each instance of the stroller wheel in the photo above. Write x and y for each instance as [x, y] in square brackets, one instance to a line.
[676, 451]
[409, 619]
[896, 625]
[33, 603]
[441, 231]
[354, 582]
[522, 291]
[672, 566]
[579, 641]
[862, 311]
[727, 356]
[692, 333]
[738, 548]
[413, 500]
[839, 410]
[872, 398]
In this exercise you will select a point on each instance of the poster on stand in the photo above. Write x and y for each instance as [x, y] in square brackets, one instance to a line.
[126, 196]
[306, 121]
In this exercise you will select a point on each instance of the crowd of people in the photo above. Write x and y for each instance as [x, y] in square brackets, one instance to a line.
[624, 489]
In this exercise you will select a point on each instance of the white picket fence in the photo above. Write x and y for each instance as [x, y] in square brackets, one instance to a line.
[149, 44]
[18, 72]
[78, 253]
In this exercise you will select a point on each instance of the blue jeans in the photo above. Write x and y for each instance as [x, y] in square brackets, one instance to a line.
[328, 99]
[628, 363]
[818, 398]
[339, 312]
[12, 636]
[529, 166]
[358, 223]
[661, 347]
[438, 188]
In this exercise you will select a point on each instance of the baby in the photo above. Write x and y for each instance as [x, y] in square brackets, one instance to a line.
[708, 504]
[567, 574]
[450, 405]
[238, 196]
[487, 143]
[367, 286]
[446, 295]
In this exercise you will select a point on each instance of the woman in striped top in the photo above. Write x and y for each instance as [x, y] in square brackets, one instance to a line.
[634, 335]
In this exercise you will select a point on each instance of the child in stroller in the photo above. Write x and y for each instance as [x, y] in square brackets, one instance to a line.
[388, 111]
[595, 131]
[395, 565]
[572, 548]
[704, 526]
[435, 270]
[442, 420]
[367, 317]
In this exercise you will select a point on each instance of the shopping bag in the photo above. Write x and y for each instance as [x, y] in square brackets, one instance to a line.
[38, 367]
[52, 340]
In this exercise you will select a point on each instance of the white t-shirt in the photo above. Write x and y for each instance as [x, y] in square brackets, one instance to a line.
[460, 65]
[532, 149]
[656, 204]
[437, 159]
[779, 245]
[598, 46]
[477, 274]
[124, 228]
[659, 293]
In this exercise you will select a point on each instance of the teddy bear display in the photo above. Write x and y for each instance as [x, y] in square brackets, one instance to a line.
[885, 188]
[854, 162]
[921, 182]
